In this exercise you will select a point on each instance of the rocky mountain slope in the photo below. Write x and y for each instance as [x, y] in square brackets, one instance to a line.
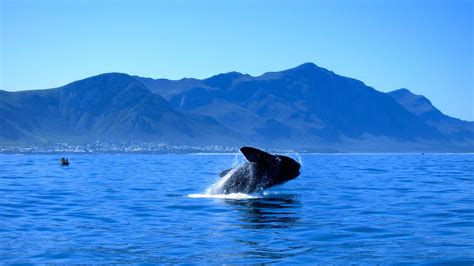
[306, 107]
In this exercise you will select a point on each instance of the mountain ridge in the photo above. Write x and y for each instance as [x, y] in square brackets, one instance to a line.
[423, 108]
[306, 107]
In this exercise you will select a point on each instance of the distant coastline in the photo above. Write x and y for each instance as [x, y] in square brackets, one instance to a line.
[116, 147]
[100, 147]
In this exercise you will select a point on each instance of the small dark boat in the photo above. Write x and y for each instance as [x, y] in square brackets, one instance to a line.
[64, 162]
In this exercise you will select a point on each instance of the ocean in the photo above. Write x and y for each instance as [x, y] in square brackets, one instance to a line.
[153, 208]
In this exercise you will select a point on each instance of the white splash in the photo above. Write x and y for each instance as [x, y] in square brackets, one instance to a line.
[236, 196]
[215, 190]
[295, 155]
[217, 187]
[238, 160]
[300, 161]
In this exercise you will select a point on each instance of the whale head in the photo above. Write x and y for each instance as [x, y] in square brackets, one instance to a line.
[278, 168]
[288, 168]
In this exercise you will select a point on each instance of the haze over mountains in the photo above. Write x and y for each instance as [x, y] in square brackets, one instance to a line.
[303, 108]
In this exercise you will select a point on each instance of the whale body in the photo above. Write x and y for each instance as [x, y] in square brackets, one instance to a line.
[262, 171]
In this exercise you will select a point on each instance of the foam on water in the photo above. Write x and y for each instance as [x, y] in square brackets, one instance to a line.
[236, 196]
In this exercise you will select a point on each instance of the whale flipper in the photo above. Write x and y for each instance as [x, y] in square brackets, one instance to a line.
[256, 156]
[223, 173]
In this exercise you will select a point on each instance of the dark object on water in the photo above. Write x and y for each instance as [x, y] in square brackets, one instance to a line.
[64, 162]
[262, 171]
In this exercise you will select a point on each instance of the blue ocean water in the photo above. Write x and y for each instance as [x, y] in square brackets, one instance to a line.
[137, 208]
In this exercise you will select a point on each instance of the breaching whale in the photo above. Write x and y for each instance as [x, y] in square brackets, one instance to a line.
[262, 171]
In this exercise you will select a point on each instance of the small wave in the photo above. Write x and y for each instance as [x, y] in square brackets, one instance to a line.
[237, 196]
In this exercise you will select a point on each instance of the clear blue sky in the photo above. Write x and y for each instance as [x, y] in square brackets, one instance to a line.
[423, 45]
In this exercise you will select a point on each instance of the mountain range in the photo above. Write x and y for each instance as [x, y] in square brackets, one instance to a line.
[303, 108]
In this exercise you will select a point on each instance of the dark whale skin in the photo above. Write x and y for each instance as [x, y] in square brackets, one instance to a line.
[262, 171]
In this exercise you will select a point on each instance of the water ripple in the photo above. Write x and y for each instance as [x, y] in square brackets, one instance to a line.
[153, 209]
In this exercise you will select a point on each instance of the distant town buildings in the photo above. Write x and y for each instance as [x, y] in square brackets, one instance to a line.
[118, 147]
